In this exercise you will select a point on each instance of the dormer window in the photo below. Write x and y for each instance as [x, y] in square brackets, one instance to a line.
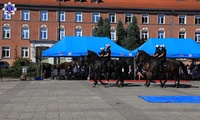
[95, 1]
[77, 0]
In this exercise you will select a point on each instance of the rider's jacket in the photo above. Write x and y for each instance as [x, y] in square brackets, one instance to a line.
[158, 51]
[163, 51]
[102, 53]
[109, 54]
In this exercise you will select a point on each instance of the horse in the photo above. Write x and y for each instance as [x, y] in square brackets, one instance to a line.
[98, 68]
[120, 68]
[171, 67]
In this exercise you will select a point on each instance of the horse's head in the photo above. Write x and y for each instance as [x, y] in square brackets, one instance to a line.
[90, 56]
[140, 57]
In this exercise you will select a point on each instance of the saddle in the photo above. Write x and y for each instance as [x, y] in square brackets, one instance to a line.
[165, 63]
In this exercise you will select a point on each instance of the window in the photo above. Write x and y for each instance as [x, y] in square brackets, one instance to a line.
[161, 19]
[95, 1]
[95, 17]
[113, 35]
[128, 17]
[145, 18]
[5, 52]
[145, 35]
[43, 33]
[62, 33]
[161, 34]
[197, 36]
[24, 52]
[6, 16]
[77, 0]
[61, 17]
[112, 18]
[182, 35]
[78, 32]
[197, 20]
[24, 33]
[78, 17]
[43, 16]
[6, 32]
[182, 19]
[25, 15]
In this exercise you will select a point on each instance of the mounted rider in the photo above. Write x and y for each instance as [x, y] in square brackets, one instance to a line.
[162, 57]
[102, 52]
[107, 55]
[157, 51]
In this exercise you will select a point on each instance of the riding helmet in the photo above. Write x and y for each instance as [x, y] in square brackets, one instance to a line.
[107, 45]
[162, 46]
[102, 48]
[157, 46]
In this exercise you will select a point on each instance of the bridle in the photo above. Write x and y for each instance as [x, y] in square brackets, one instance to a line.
[138, 58]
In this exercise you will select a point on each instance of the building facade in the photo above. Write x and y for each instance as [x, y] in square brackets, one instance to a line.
[35, 24]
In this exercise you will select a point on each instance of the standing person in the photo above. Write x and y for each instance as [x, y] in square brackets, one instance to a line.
[107, 55]
[162, 57]
[102, 52]
[139, 71]
[193, 65]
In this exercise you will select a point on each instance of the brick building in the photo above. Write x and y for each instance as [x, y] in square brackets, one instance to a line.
[36, 22]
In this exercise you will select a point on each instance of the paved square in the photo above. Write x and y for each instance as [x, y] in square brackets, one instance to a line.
[78, 100]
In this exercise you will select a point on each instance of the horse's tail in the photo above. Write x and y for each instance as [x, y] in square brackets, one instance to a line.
[184, 68]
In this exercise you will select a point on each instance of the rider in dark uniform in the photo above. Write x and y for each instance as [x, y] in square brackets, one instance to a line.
[157, 51]
[102, 52]
[162, 57]
[107, 55]
[156, 54]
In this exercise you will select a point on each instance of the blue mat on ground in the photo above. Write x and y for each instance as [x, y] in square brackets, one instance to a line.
[171, 99]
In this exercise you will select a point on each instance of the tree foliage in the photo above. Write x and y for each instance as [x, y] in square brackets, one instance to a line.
[120, 32]
[132, 35]
[102, 29]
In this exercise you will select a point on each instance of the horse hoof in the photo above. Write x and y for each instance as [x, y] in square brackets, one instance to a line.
[94, 85]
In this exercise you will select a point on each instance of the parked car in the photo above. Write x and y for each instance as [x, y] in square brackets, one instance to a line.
[4, 64]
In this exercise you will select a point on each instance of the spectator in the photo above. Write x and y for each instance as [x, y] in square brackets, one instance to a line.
[140, 71]
[192, 65]
[130, 73]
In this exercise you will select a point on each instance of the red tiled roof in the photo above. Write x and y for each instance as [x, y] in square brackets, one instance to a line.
[134, 4]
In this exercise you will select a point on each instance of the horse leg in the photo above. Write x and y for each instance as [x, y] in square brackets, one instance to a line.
[95, 82]
[107, 77]
[177, 82]
[121, 80]
[99, 78]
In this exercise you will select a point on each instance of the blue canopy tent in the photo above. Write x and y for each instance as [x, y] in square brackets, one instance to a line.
[176, 48]
[71, 46]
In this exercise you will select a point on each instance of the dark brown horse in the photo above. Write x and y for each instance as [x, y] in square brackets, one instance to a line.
[98, 67]
[171, 67]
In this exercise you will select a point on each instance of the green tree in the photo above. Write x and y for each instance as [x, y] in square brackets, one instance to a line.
[98, 30]
[102, 28]
[132, 40]
[132, 35]
[120, 33]
[106, 28]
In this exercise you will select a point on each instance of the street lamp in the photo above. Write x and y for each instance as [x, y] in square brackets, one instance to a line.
[59, 9]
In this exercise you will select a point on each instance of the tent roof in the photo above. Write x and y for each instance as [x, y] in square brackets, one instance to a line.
[72, 46]
[176, 48]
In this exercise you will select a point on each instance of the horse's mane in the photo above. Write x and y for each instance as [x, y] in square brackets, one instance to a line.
[92, 52]
[143, 52]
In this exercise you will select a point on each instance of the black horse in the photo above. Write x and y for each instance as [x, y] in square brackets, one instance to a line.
[171, 67]
[98, 68]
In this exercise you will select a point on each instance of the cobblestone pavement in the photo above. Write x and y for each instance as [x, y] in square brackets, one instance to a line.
[78, 100]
